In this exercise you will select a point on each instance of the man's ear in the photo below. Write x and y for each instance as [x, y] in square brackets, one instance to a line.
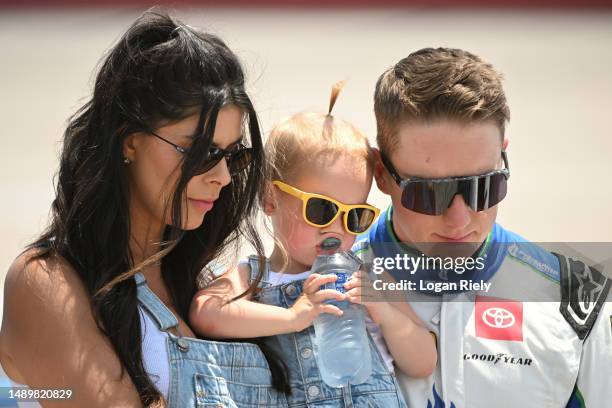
[269, 199]
[505, 142]
[380, 173]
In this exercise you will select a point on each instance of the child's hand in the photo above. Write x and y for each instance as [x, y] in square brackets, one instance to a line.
[312, 301]
[359, 290]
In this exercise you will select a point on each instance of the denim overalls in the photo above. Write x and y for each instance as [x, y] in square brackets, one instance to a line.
[298, 352]
[210, 373]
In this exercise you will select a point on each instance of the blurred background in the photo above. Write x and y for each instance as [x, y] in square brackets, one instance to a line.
[556, 57]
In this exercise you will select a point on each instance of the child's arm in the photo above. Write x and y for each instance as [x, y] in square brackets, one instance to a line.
[413, 347]
[213, 315]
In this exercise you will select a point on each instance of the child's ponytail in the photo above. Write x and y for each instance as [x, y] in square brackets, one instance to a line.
[334, 95]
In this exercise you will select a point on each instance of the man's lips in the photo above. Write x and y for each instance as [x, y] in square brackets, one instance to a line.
[454, 238]
[203, 205]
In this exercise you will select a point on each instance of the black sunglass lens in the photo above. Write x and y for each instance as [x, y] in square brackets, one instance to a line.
[433, 198]
[360, 219]
[240, 160]
[430, 198]
[491, 190]
[320, 211]
[208, 163]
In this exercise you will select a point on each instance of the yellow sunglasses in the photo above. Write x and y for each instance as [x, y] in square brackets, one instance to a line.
[320, 211]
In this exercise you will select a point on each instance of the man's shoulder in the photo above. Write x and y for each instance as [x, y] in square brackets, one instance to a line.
[584, 291]
[535, 258]
[582, 288]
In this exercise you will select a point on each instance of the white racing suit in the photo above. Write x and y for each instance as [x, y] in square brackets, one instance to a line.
[541, 336]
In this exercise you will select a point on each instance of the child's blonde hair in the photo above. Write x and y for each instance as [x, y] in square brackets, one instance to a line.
[310, 139]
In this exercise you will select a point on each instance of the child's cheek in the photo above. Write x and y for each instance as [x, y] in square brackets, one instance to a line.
[303, 236]
[302, 242]
[348, 241]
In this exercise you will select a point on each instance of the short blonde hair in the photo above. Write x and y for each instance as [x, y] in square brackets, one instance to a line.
[309, 139]
[435, 85]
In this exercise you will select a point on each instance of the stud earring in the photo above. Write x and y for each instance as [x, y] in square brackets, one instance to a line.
[126, 160]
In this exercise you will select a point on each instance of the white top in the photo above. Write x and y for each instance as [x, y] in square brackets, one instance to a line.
[154, 352]
[279, 278]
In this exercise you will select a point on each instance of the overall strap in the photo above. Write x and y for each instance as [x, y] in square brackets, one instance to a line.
[265, 278]
[164, 318]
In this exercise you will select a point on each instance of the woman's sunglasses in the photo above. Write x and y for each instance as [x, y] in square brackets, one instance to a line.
[238, 159]
[434, 196]
[320, 211]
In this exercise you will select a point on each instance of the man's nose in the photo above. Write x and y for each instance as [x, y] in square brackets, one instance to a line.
[458, 215]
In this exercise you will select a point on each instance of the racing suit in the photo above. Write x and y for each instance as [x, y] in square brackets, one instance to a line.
[541, 336]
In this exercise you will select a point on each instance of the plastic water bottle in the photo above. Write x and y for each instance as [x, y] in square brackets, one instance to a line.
[343, 349]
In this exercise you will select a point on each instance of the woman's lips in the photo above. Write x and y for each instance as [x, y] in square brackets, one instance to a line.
[202, 205]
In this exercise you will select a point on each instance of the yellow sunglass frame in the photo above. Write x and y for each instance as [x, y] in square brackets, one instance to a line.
[342, 208]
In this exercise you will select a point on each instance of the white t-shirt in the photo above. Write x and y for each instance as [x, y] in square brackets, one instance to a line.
[278, 278]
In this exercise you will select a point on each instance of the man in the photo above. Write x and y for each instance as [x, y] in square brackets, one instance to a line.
[516, 325]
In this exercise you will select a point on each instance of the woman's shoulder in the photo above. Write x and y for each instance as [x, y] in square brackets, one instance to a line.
[42, 278]
[35, 293]
[43, 296]
[48, 322]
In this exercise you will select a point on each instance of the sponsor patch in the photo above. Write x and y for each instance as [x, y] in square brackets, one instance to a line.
[499, 359]
[583, 292]
[527, 253]
[498, 319]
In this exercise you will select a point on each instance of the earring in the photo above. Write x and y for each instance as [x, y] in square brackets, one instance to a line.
[126, 160]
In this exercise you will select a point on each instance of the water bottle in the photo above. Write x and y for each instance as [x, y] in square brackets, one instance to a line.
[343, 348]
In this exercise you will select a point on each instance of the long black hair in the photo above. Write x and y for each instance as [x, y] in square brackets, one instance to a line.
[160, 71]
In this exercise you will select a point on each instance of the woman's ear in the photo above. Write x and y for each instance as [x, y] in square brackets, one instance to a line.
[129, 147]
[380, 173]
[269, 199]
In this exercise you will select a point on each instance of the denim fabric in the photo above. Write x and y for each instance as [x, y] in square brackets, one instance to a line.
[210, 373]
[298, 352]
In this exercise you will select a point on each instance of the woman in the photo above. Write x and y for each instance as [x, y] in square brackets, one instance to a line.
[155, 181]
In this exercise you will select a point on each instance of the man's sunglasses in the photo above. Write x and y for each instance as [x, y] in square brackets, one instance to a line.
[434, 196]
[238, 159]
[320, 211]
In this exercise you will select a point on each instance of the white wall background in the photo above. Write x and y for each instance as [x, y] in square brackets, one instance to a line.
[557, 67]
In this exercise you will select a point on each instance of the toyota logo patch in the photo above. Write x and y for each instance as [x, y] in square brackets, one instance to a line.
[498, 319]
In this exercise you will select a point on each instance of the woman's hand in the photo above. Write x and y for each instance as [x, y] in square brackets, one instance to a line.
[311, 302]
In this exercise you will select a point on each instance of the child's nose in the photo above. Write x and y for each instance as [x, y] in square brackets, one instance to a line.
[336, 227]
